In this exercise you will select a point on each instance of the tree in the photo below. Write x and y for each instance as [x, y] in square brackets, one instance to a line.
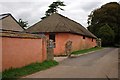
[106, 14]
[53, 8]
[106, 34]
[23, 24]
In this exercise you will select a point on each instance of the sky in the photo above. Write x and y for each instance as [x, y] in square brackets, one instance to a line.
[33, 10]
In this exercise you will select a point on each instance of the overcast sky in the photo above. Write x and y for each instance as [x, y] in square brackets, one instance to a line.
[33, 10]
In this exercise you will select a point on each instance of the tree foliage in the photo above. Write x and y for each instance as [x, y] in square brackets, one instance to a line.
[106, 14]
[23, 24]
[53, 8]
[106, 34]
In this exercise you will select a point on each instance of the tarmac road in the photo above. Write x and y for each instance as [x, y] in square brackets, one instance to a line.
[99, 64]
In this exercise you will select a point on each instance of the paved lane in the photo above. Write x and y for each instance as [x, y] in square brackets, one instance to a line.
[98, 64]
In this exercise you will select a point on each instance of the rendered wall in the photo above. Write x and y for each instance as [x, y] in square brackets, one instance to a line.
[0, 55]
[18, 52]
[78, 42]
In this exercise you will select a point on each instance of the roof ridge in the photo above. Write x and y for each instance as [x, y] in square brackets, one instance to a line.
[70, 24]
[68, 18]
[2, 16]
[67, 24]
[5, 14]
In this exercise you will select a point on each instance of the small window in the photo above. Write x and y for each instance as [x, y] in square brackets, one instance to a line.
[92, 39]
[83, 37]
[52, 36]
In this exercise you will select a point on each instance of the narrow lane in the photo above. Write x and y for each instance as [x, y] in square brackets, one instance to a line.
[99, 64]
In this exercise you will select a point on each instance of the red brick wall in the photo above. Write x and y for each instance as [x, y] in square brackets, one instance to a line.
[18, 52]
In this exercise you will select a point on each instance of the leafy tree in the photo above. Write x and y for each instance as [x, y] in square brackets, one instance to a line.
[23, 24]
[106, 14]
[53, 8]
[106, 34]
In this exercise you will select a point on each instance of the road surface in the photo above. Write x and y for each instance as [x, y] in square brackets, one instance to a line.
[99, 64]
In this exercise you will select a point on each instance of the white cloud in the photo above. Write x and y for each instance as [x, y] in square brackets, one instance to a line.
[33, 10]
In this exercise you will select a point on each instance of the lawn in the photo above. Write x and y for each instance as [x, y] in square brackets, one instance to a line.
[86, 50]
[29, 69]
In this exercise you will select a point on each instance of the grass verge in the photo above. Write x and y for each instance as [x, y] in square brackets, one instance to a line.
[29, 69]
[86, 50]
